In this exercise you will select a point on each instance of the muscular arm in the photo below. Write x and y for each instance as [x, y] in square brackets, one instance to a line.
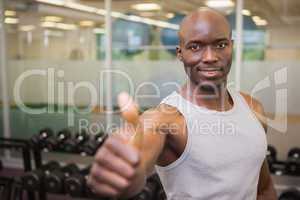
[152, 124]
[265, 190]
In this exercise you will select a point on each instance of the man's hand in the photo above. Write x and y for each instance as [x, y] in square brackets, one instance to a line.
[117, 162]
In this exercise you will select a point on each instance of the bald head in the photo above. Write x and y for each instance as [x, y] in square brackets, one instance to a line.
[204, 20]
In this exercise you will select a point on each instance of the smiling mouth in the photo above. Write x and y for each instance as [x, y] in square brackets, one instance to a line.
[210, 69]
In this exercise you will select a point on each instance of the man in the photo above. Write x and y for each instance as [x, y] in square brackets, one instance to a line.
[204, 140]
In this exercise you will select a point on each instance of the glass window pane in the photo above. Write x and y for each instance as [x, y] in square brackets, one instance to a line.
[55, 56]
[271, 66]
[1, 112]
[144, 47]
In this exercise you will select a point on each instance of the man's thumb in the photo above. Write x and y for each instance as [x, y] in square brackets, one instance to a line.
[130, 113]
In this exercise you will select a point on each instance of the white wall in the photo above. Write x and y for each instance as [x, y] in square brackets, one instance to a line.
[283, 43]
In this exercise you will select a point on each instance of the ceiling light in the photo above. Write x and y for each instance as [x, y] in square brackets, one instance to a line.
[170, 15]
[59, 25]
[27, 28]
[87, 23]
[54, 2]
[147, 14]
[146, 6]
[10, 13]
[261, 22]
[10, 20]
[256, 18]
[53, 19]
[98, 11]
[48, 24]
[99, 31]
[66, 26]
[246, 12]
[219, 3]
[54, 33]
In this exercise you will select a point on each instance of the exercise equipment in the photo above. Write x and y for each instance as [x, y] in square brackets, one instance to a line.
[61, 137]
[290, 194]
[74, 145]
[152, 190]
[33, 180]
[271, 154]
[276, 167]
[54, 181]
[91, 146]
[45, 140]
[11, 183]
[279, 168]
[293, 162]
[75, 185]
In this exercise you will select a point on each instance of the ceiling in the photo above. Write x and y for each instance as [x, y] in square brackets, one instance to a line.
[276, 12]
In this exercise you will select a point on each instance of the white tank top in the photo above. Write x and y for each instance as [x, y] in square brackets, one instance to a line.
[223, 154]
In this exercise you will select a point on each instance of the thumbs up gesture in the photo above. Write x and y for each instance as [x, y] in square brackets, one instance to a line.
[117, 162]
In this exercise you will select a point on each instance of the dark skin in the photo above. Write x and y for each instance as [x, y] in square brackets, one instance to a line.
[121, 167]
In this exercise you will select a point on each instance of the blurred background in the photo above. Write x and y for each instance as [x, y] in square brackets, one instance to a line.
[63, 63]
[65, 41]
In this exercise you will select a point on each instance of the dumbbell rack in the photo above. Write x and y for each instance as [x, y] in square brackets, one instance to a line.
[285, 182]
[283, 175]
[8, 182]
[52, 155]
[86, 160]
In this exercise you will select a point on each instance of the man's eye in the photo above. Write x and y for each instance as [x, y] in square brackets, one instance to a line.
[221, 45]
[195, 47]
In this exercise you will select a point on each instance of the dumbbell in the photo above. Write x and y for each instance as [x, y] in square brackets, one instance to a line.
[279, 168]
[75, 185]
[54, 181]
[293, 162]
[62, 136]
[150, 191]
[161, 195]
[44, 140]
[271, 154]
[276, 167]
[75, 145]
[90, 147]
[34, 180]
[291, 194]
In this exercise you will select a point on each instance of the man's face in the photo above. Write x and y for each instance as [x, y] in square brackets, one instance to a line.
[206, 50]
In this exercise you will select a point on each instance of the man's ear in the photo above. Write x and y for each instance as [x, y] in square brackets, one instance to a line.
[179, 53]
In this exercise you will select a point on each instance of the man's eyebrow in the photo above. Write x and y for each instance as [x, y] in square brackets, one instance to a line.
[220, 39]
[201, 42]
[193, 41]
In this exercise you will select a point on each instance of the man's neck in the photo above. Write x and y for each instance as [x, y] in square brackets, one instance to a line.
[210, 96]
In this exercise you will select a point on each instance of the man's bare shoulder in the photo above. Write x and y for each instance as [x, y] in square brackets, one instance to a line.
[256, 107]
[253, 103]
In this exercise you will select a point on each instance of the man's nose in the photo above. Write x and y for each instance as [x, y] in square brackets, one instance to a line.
[209, 55]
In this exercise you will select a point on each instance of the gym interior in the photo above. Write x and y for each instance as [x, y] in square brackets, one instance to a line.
[64, 62]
